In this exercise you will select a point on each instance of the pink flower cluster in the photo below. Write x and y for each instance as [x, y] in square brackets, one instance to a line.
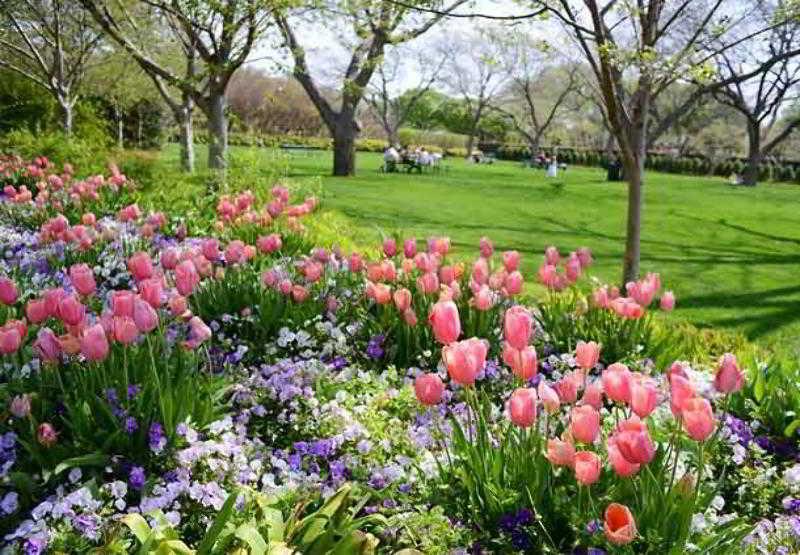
[556, 278]
[641, 295]
[240, 209]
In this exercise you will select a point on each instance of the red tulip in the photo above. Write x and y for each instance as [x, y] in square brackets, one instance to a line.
[619, 526]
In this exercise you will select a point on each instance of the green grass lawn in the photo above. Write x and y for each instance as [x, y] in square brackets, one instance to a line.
[732, 255]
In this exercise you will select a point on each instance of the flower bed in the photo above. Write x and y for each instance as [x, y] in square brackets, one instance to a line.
[249, 392]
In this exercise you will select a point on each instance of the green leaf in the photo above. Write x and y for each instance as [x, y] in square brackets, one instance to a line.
[219, 523]
[92, 459]
[138, 525]
[792, 427]
[249, 535]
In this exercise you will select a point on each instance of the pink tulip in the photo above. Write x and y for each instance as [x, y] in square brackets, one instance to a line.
[634, 442]
[169, 258]
[698, 419]
[36, 311]
[560, 452]
[428, 283]
[486, 247]
[644, 396]
[681, 392]
[619, 526]
[617, 382]
[428, 389]
[549, 397]
[410, 247]
[518, 326]
[269, 243]
[94, 345]
[585, 257]
[234, 252]
[300, 294]
[122, 303]
[186, 277]
[152, 291]
[513, 284]
[445, 322]
[480, 271]
[20, 406]
[82, 278]
[71, 311]
[622, 467]
[10, 340]
[402, 299]
[567, 387]
[46, 435]
[424, 262]
[465, 360]
[593, 395]
[382, 293]
[447, 274]
[729, 378]
[511, 260]
[140, 266]
[484, 299]
[178, 306]
[548, 276]
[8, 291]
[439, 245]
[587, 354]
[584, 423]
[600, 297]
[51, 299]
[124, 330]
[355, 263]
[572, 269]
[199, 332]
[389, 247]
[551, 256]
[522, 407]
[47, 346]
[410, 317]
[667, 301]
[388, 270]
[210, 249]
[523, 362]
[144, 316]
[587, 467]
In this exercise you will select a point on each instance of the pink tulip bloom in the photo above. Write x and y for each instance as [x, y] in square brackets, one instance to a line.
[587, 354]
[186, 277]
[729, 378]
[140, 266]
[465, 360]
[10, 340]
[178, 306]
[410, 247]
[698, 419]
[428, 389]
[210, 249]
[8, 291]
[36, 311]
[269, 243]
[513, 284]
[511, 260]
[548, 397]
[71, 311]
[551, 256]
[144, 316]
[46, 434]
[94, 345]
[382, 293]
[634, 442]
[523, 362]
[548, 276]
[234, 252]
[480, 271]
[484, 299]
[572, 268]
[424, 262]
[374, 272]
[20, 406]
[619, 526]
[445, 322]
[51, 299]
[593, 395]
[560, 452]
[410, 317]
[122, 303]
[389, 247]
[522, 407]
[356, 263]
[644, 396]
[486, 247]
[152, 291]
[518, 326]
[667, 301]
[389, 271]
[622, 467]
[439, 245]
[402, 299]
[600, 297]
[124, 330]
[447, 274]
[567, 387]
[584, 423]
[617, 382]
[82, 278]
[428, 283]
[585, 257]
[587, 467]
[199, 332]
[681, 392]
[47, 346]
[300, 294]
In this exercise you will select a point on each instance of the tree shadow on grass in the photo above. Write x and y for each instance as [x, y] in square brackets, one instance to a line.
[784, 303]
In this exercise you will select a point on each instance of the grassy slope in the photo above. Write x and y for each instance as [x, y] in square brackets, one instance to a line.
[730, 254]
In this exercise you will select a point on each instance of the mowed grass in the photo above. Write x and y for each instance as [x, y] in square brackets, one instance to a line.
[730, 254]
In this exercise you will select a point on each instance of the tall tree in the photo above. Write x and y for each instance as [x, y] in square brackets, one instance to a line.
[51, 43]
[220, 34]
[373, 25]
[538, 88]
[761, 99]
[474, 74]
[390, 106]
[636, 50]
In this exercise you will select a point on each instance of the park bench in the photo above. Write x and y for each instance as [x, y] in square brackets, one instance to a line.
[302, 150]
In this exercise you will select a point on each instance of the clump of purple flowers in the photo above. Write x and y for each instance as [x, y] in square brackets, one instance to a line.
[375, 349]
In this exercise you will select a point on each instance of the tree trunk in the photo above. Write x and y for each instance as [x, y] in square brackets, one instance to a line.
[186, 126]
[139, 126]
[754, 156]
[67, 117]
[634, 175]
[344, 147]
[120, 127]
[217, 131]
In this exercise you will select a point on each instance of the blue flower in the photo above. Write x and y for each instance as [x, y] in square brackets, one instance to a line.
[137, 477]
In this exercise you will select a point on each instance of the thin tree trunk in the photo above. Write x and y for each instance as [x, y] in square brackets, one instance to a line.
[67, 117]
[186, 126]
[344, 147]
[120, 127]
[634, 174]
[139, 126]
[754, 156]
[217, 132]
